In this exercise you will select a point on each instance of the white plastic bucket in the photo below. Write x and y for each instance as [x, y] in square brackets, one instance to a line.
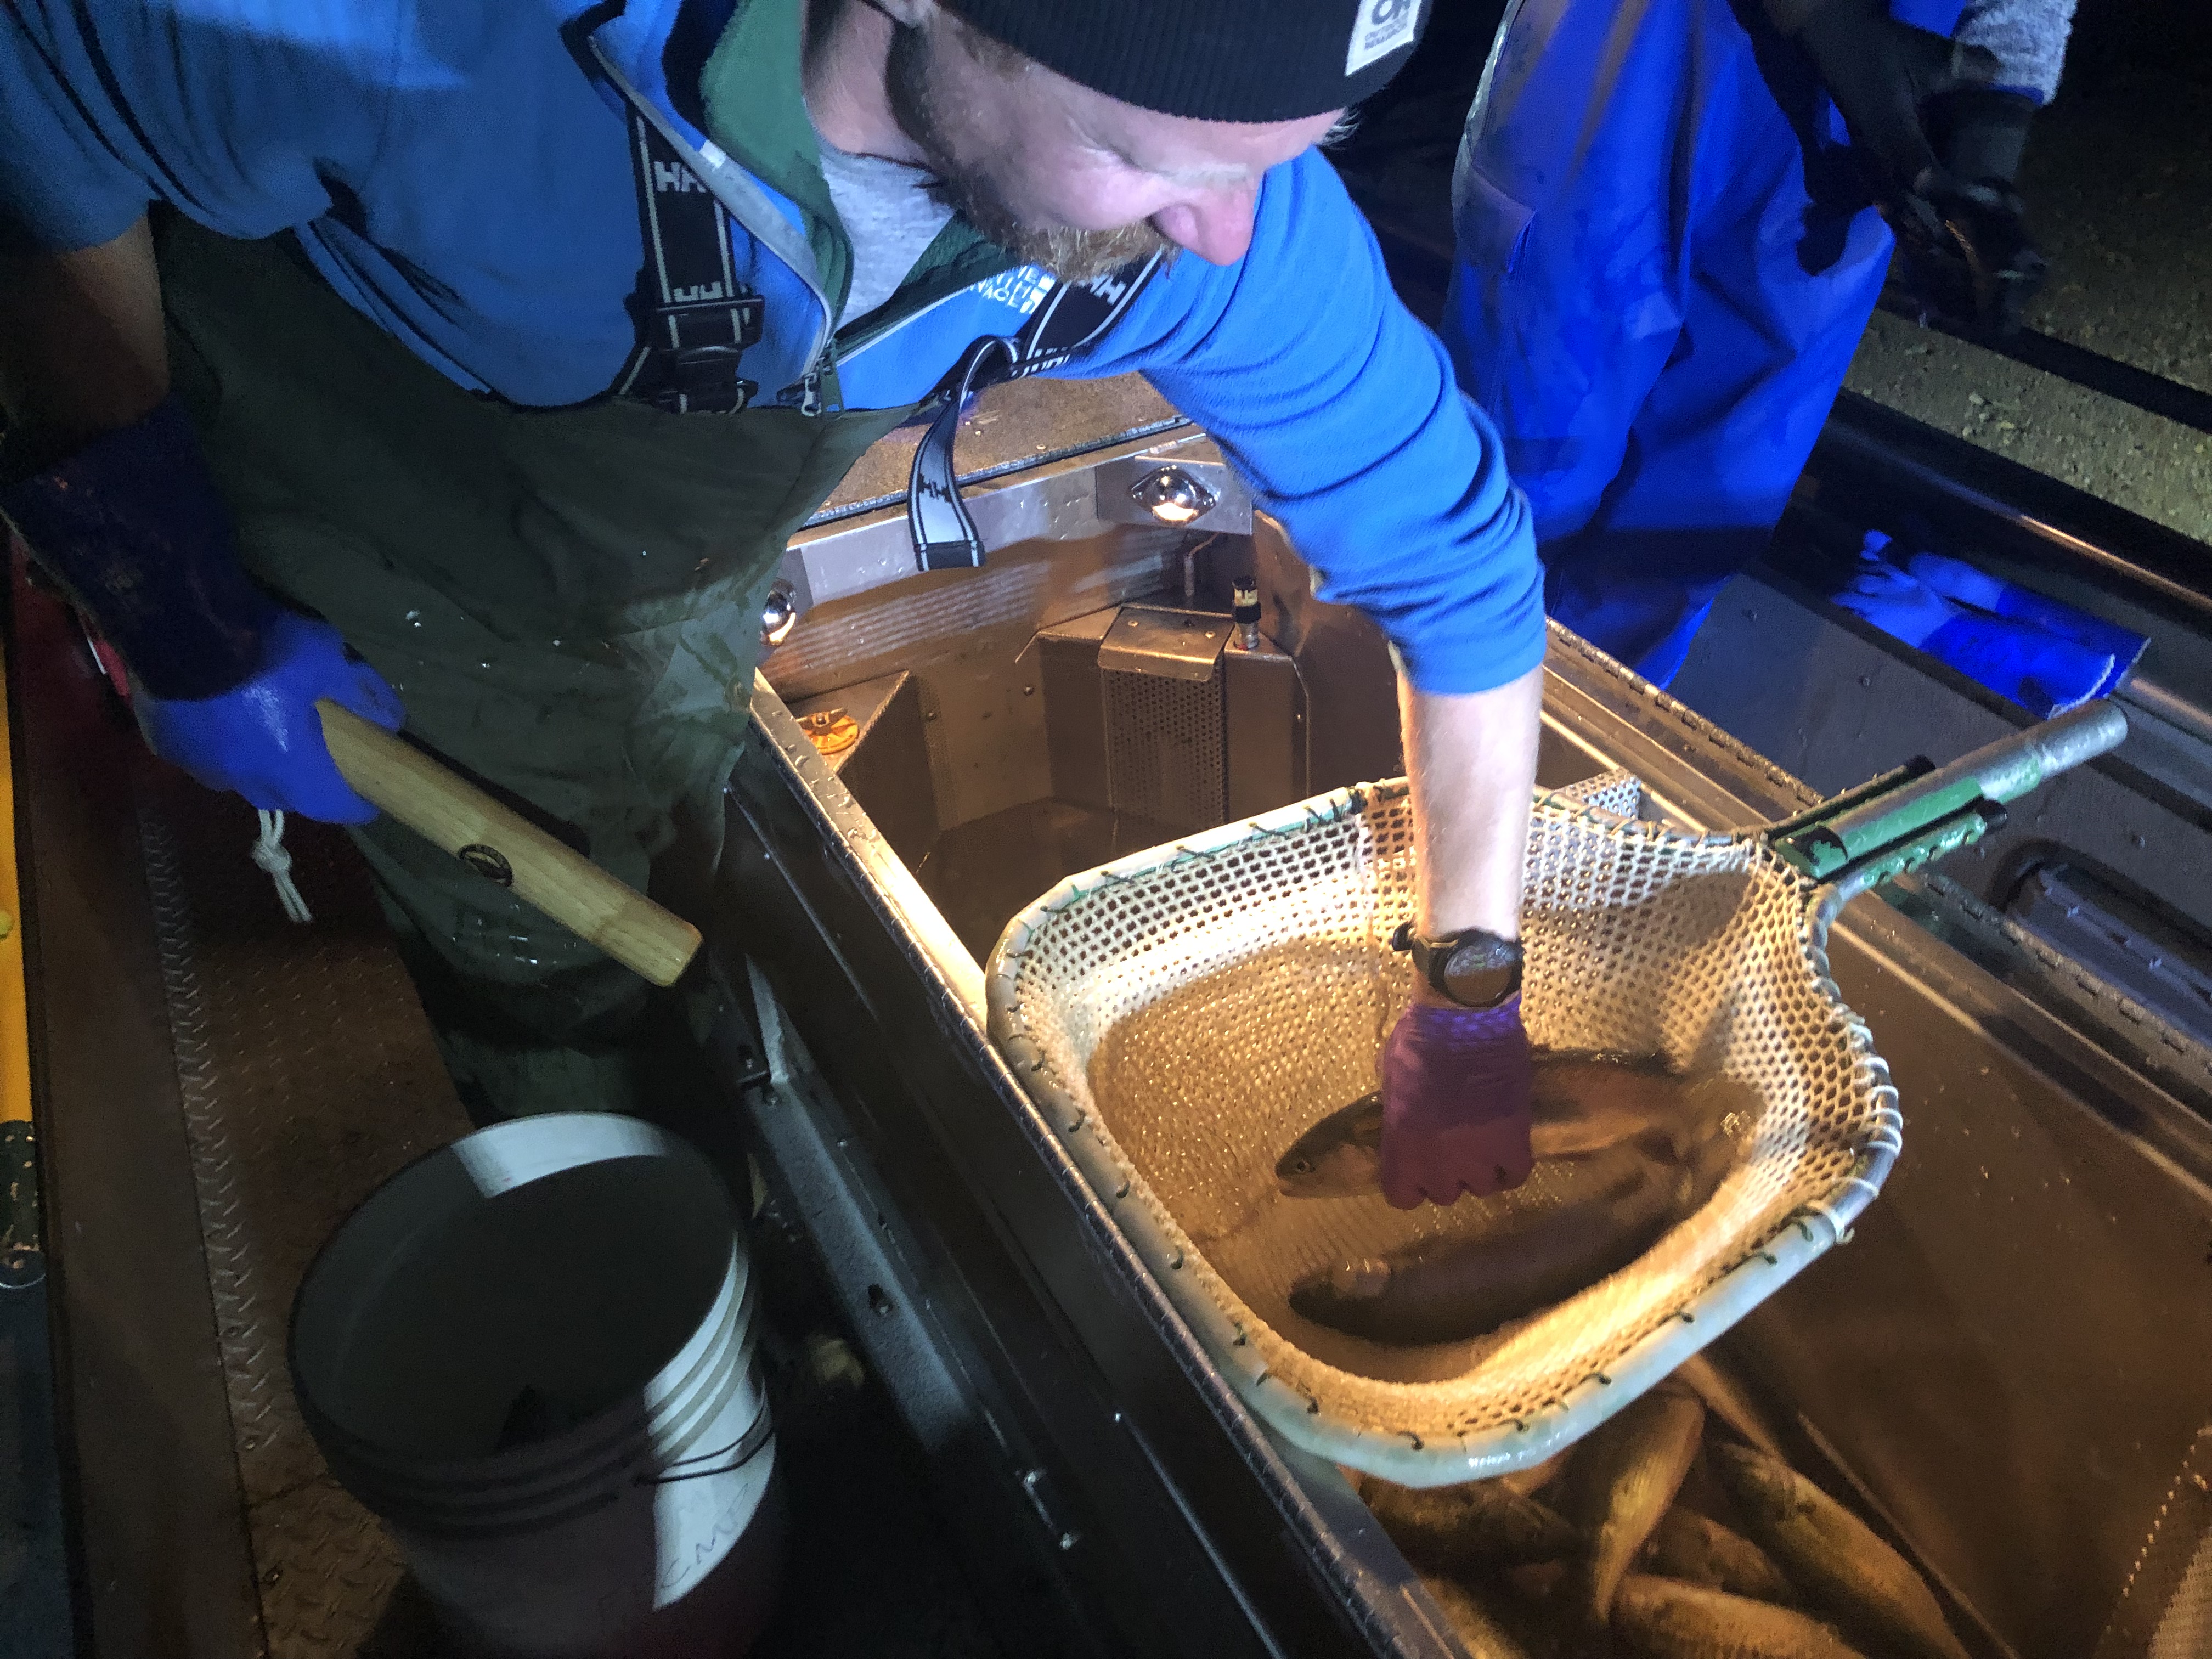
[531, 1354]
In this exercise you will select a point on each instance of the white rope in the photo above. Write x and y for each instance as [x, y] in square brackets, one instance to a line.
[270, 853]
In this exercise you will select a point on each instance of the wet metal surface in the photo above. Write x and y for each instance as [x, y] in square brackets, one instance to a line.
[1835, 706]
[981, 874]
[2014, 1354]
[1019, 423]
[1175, 645]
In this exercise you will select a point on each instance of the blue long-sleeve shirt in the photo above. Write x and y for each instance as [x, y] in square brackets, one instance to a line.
[461, 173]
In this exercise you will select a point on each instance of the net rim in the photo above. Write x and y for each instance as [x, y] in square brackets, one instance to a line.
[1813, 1227]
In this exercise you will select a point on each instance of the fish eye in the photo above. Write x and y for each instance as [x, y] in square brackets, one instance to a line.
[1301, 1166]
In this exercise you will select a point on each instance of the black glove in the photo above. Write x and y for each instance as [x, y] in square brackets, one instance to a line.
[1982, 133]
[1967, 253]
[1904, 92]
[1882, 73]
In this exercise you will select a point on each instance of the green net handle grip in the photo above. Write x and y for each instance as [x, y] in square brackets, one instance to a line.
[2001, 771]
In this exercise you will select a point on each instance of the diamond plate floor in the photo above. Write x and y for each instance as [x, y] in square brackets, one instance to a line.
[308, 1076]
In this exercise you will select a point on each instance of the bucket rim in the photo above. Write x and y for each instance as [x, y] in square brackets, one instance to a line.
[628, 1430]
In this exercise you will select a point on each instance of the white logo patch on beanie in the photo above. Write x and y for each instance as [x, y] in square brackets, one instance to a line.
[1379, 28]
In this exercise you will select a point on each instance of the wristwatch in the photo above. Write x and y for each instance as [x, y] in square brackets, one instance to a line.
[1474, 969]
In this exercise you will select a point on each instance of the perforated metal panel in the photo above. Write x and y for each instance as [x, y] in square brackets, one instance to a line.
[1166, 748]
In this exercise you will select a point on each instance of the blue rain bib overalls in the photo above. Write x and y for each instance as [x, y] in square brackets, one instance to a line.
[1666, 259]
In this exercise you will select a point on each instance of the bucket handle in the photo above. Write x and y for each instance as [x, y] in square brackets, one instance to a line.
[740, 1452]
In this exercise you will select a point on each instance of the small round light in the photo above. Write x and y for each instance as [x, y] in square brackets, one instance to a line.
[780, 615]
[1172, 496]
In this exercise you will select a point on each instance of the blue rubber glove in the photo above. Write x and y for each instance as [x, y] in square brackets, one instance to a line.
[1457, 1085]
[1954, 579]
[263, 738]
[133, 527]
[2044, 674]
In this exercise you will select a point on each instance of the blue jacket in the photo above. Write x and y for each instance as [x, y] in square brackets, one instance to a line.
[459, 172]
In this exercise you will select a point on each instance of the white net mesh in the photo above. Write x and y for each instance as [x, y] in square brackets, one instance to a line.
[1183, 1016]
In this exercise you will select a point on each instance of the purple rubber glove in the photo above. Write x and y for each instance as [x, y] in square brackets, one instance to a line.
[1455, 1090]
[262, 738]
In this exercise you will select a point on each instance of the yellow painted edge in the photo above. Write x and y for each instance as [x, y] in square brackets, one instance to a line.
[15, 1013]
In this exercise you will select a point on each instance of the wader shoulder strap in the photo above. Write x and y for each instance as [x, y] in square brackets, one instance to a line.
[1073, 316]
[694, 318]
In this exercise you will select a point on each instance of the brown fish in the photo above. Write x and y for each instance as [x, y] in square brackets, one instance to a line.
[1339, 1156]
[1478, 1524]
[1624, 1480]
[1698, 1550]
[1657, 1618]
[1701, 1488]
[1835, 1557]
[1477, 1626]
[1583, 1104]
[1539, 1583]
[1446, 1289]
[1725, 1399]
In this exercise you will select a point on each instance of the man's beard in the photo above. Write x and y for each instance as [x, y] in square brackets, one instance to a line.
[1074, 256]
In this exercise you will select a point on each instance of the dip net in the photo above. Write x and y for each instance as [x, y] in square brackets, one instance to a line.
[1183, 1015]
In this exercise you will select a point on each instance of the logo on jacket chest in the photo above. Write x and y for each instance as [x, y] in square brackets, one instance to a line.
[1022, 288]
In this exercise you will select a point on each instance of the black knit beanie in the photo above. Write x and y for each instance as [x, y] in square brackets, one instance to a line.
[1218, 60]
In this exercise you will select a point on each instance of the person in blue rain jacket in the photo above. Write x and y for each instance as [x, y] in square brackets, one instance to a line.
[1673, 218]
[470, 365]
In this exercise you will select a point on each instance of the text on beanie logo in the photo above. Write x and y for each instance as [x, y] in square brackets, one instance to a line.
[1379, 28]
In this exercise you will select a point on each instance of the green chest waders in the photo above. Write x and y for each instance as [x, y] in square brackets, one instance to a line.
[568, 601]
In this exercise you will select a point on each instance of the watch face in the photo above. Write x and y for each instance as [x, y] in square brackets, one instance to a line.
[1481, 955]
[1482, 972]
[1483, 990]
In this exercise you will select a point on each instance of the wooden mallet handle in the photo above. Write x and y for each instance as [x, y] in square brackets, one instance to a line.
[507, 848]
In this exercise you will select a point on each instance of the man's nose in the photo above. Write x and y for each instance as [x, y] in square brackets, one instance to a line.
[1217, 226]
